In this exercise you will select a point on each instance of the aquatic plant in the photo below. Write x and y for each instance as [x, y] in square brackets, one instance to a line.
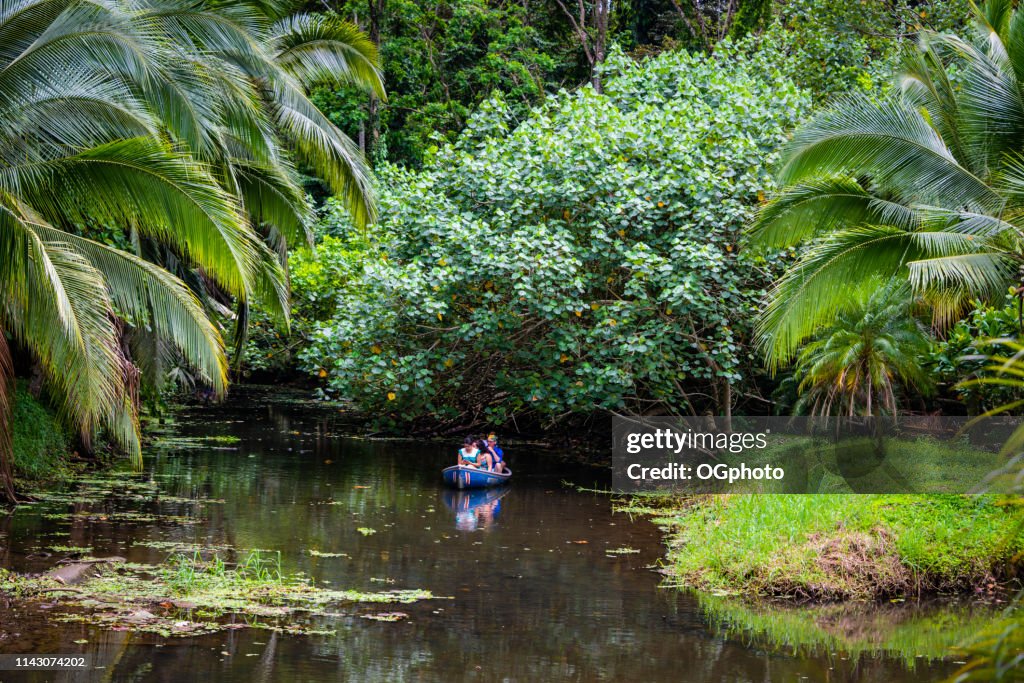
[192, 595]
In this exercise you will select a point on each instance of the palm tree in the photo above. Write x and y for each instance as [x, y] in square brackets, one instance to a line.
[926, 185]
[168, 120]
[855, 365]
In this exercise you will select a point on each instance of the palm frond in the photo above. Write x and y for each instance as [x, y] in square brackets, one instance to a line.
[329, 151]
[818, 287]
[821, 205]
[271, 194]
[891, 143]
[317, 48]
[140, 183]
[155, 300]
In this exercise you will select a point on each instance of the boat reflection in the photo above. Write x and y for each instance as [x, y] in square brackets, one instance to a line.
[475, 508]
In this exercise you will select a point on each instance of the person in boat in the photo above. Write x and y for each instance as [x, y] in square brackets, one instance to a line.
[470, 455]
[481, 443]
[487, 444]
[497, 454]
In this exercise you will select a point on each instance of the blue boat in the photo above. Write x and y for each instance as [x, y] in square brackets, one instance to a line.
[462, 477]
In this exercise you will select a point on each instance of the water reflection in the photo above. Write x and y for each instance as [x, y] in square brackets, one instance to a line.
[475, 509]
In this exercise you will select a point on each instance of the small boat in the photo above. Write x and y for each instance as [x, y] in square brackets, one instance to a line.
[461, 477]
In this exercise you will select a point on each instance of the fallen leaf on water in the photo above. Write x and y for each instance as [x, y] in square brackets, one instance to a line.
[580, 542]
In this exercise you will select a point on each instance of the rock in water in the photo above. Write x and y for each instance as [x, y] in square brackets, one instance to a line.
[77, 572]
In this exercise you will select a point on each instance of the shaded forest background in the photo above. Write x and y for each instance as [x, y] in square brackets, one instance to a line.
[442, 59]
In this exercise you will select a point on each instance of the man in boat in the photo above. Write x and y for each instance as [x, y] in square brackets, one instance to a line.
[497, 455]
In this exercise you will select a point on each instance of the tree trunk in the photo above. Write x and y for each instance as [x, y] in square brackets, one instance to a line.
[591, 32]
[728, 405]
[602, 10]
[35, 382]
[7, 388]
[376, 12]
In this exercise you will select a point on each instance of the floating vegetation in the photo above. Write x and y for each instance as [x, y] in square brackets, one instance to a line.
[69, 549]
[193, 595]
[366, 531]
[317, 553]
[179, 500]
[182, 547]
[66, 497]
[127, 516]
[119, 487]
[387, 616]
[187, 443]
[224, 438]
[623, 551]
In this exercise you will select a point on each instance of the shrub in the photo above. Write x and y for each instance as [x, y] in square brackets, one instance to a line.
[964, 355]
[586, 259]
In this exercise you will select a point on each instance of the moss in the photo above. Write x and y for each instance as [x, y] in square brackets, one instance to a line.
[41, 445]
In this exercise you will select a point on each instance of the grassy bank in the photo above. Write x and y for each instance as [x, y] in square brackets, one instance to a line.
[41, 445]
[832, 547]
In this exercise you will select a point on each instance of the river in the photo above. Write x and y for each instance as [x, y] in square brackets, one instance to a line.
[540, 582]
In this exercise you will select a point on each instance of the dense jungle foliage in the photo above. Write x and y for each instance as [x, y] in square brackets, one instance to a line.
[481, 211]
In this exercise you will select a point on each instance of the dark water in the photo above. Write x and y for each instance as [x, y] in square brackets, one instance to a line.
[529, 600]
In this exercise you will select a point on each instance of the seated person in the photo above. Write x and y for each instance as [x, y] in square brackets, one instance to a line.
[497, 454]
[485, 451]
[471, 456]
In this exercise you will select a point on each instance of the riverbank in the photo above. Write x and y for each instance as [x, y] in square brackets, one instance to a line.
[41, 445]
[829, 547]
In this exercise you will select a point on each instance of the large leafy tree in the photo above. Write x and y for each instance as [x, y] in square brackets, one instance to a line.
[584, 260]
[167, 121]
[926, 185]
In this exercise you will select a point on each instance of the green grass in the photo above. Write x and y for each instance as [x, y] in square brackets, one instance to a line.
[834, 546]
[922, 464]
[40, 442]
